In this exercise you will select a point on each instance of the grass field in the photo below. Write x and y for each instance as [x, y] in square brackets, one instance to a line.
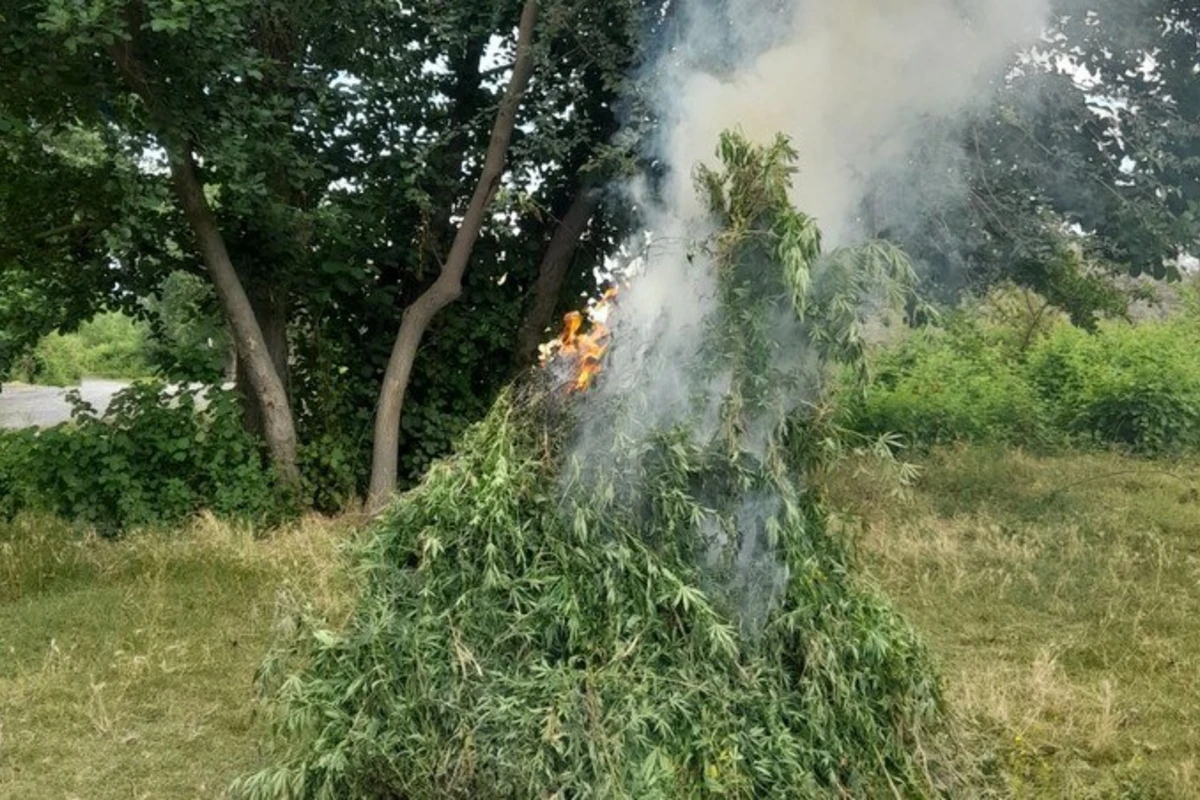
[126, 670]
[1061, 597]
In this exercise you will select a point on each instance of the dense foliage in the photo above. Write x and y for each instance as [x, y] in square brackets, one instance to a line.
[152, 459]
[188, 341]
[1038, 381]
[335, 181]
[664, 614]
[177, 334]
[333, 177]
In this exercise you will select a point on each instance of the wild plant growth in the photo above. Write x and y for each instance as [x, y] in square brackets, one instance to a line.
[1040, 383]
[661, 614]
[153, 458]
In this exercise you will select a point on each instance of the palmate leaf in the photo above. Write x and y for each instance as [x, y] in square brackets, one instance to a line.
[664, 616]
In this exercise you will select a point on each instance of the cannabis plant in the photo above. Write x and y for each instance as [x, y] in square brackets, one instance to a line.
[659, 614]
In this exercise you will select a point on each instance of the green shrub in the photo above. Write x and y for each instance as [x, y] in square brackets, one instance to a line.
[57, 360]
[942, 386]
[10, 493]
[111, 345]
[153, 458]
[1014, 371]
[1134, 387]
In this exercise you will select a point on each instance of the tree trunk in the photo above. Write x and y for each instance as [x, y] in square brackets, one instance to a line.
[270, 309]
[552, 274]
[448, 286]
[278, 427]
[231, 373]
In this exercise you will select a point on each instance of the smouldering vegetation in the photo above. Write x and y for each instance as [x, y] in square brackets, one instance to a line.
[663, 614]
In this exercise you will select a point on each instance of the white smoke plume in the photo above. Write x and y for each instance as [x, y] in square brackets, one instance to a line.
[857, 84]
[861, 87]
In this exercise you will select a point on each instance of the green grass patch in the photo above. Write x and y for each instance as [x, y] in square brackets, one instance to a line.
[1059, 595]
[126, 668]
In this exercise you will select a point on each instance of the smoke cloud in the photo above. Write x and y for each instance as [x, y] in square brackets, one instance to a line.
[875, 95]
[858, 84]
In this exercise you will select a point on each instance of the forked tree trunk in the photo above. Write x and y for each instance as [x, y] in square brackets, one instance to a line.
[552, 274]
[448, 286]
[278, 427]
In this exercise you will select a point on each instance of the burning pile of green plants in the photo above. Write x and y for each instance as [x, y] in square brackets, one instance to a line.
[656, 613]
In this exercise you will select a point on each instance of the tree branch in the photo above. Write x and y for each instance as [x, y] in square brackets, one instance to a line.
[552, 274]
[448, 287]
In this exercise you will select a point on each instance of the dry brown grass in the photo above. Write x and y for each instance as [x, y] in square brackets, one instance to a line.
[1062, 599]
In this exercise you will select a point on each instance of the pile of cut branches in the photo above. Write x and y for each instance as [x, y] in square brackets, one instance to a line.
[667, 618]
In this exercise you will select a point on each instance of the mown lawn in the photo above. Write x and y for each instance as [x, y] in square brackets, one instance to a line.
[126, 669]
[1061, 597]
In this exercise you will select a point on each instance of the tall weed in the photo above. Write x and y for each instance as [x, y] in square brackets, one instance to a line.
[940, 386]
[1135, 387]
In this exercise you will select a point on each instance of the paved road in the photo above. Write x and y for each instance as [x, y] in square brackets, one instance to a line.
[24, 406]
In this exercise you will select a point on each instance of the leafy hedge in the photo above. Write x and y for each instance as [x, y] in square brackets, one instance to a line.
[1131, 386]
[152, 458]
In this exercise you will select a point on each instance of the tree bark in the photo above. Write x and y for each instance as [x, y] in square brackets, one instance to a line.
[552, 274]
[271, 311]
[278, 426]
[448, 287]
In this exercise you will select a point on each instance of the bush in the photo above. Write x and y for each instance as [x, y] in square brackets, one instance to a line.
[111, 345]
[10, 493]
[1134, 387]
[189, 341]
[153, 458]
[984, 380]
[941, 386]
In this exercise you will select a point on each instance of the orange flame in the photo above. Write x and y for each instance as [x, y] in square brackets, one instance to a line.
[582, 352]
